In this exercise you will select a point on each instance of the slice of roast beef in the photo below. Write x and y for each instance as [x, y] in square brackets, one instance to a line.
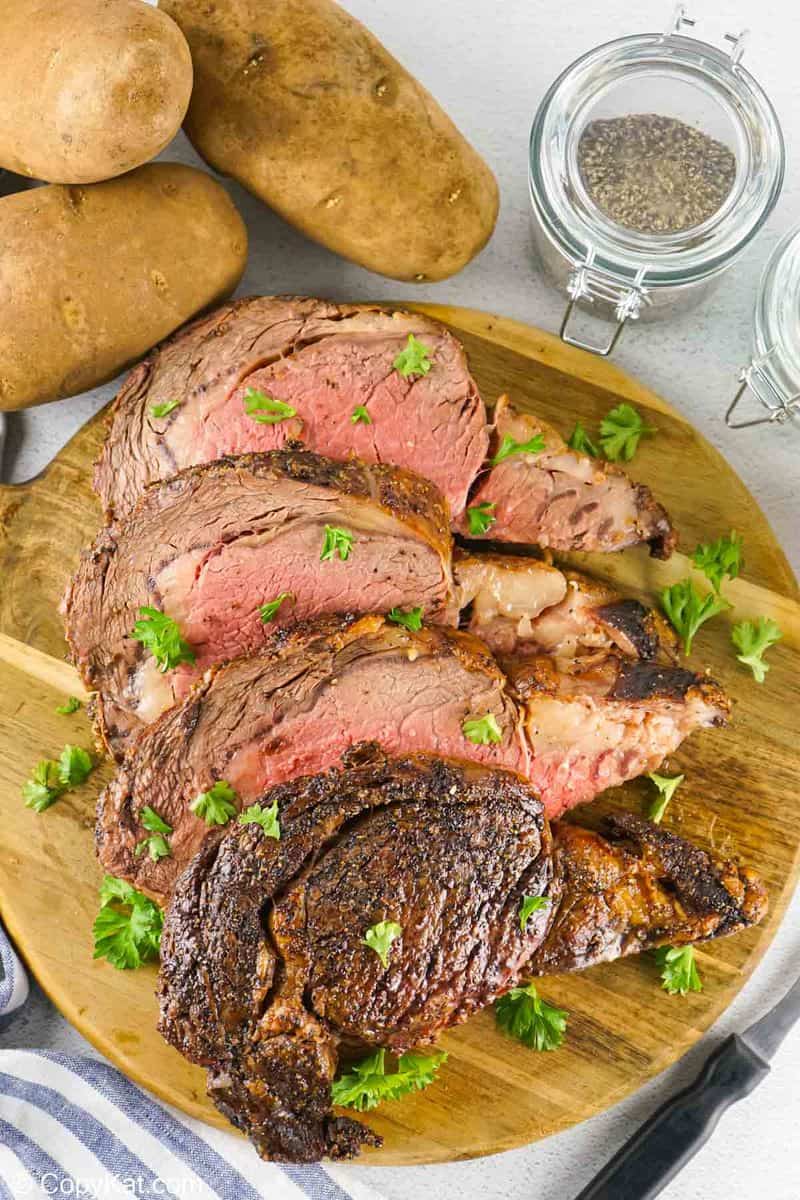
[563, 500]
[265, 968]
[213, 544]
[294, 709]
[523, 607]
[323, 360]
[591, 727]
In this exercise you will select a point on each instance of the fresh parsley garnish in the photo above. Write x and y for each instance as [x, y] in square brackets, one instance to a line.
[581, 443]
[414, 359]
[44, 786]
[74, 766]
[380, 937]
[164, 408]
[269, 611]
[217, 805]
[367, 1084]
[752, 640]
[411, 618]
[482, 730]
[523, 1014]
[688, 610]
[156, 845]
[679, 973]
[360, 413]
[620, 432]
[69, 707]
[267, 818]
[337, 541]
[266, 410]
[480, 517]
[720, 559]
[162, 637]
[127, 930]
[667, 788]
[528, 906]
[510, 445]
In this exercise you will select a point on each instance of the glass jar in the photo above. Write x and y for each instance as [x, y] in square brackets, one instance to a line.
[621, 271]
[773, 373]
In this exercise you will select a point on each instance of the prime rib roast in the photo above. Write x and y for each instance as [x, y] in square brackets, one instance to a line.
[327, 362]
[324, 360]
[265, 974]
[295, 707]
[213, 544]
[563, 500]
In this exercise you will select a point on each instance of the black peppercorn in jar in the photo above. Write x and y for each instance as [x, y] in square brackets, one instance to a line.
[654, 161]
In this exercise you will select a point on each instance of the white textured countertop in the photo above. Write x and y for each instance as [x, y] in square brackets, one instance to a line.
[489, 64]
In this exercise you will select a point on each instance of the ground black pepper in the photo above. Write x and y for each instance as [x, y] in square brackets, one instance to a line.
[654, 174]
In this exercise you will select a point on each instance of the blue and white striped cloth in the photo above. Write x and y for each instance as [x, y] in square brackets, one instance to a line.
[71, 1125]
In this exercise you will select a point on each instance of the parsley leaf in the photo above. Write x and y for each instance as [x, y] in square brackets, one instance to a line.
[267, 818]
[414, 359]
[480, 517]
[360, 413]
[269, 611]
[380, 937]
[679, 973]
[522, 1014]
[265, 409]
[510, 445]
[337, 541]
[620, 432]
[667, 787]
[482, 730]
[164, 408]
[127, 929]
[580, 442]
[44, 786]
[74, 766]
[752, 641]
[162, 637]
[688, 610]
[720, 559]
[528, 906]
[411, 618]
[70, 706]
[367, 1084]
[217, 805]
[156, 845]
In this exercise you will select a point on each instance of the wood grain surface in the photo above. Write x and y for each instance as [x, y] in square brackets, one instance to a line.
[740, 795]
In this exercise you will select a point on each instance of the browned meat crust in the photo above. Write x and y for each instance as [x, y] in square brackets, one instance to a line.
[214, 542]
[265, 972]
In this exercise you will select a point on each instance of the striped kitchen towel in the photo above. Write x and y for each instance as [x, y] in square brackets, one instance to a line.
[72, 1125]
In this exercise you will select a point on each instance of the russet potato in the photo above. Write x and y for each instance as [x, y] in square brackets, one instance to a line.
[302, 105]
[92, 277]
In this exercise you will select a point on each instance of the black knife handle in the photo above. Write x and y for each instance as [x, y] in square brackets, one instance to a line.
[676, 1131]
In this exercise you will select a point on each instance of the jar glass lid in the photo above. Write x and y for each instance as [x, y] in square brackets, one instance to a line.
[664, 194]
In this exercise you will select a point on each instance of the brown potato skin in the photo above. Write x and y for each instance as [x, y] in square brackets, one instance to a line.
[91, 278]
[89, 89]
[303, 106]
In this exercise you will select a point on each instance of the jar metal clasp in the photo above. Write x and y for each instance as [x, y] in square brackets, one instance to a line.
[588, 283]
[779, 406]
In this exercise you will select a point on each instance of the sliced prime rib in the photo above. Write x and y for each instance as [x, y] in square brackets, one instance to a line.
[563, 500]
[294, 709]
[213, 544]
[591, 726]
[265, 973]
[322, 359]
[523, 607]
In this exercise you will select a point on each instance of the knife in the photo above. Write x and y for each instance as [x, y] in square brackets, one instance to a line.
[676, 1131]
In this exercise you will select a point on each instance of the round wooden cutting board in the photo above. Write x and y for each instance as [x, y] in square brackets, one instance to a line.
[739, 798]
